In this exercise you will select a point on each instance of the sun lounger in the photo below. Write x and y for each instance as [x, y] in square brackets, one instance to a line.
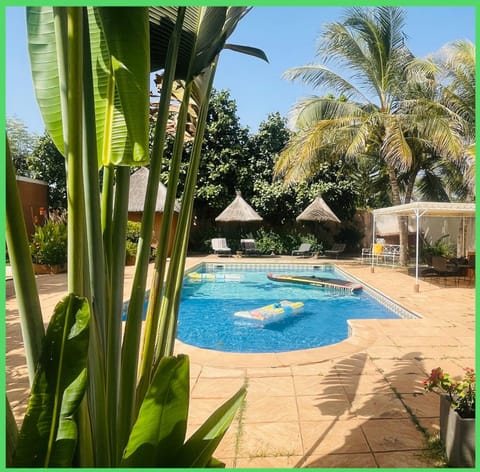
[444, 269]
[249, 247]
[336, 250]
[220, 247]
[304, 250]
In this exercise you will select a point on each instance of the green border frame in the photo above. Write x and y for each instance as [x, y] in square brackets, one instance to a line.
[319, 3]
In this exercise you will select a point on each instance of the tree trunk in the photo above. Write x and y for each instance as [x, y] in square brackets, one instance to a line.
[402, 220]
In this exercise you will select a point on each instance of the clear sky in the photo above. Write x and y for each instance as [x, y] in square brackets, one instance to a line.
[287, 35]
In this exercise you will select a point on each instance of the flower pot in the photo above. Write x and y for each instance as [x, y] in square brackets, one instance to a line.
[130, 260]
[457, 435]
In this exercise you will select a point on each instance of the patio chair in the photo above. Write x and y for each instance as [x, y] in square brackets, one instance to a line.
[336, 250]
[443, 268]
[304, 250]
[249, 247]
[367, 253]
[220, 247]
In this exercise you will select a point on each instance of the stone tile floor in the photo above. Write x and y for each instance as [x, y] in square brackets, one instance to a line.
[348, 405]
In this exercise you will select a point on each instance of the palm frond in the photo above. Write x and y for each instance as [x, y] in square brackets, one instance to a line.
[319, 76]
[395, 147]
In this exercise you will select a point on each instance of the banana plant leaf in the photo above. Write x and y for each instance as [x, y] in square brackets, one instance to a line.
[159, 432]
[49, 432]
[198, 450]
[120, 69]
[204, 34]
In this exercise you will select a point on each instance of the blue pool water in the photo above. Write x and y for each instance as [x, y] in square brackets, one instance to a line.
[207, 308]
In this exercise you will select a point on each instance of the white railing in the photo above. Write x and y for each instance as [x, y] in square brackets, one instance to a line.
[382, 254]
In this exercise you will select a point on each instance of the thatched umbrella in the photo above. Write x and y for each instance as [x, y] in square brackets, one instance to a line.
[136, 201]
[239, 211]
[138, 189]
[318, 210]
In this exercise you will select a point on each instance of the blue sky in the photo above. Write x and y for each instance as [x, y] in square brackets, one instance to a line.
[287, 35]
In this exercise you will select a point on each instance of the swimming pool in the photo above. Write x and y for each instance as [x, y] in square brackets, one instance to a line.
[208, 304]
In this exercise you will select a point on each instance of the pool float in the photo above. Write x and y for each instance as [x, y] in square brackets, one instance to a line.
[197, 277]
[316, 281]
[271, 313]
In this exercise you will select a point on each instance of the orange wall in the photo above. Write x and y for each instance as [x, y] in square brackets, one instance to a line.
[34, 199]
[137, 216]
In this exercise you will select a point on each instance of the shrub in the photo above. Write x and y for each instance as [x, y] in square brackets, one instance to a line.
[49, 243]
[284, 243]
[131, 248]
[268, 242]
[133, 231]
[440, 247]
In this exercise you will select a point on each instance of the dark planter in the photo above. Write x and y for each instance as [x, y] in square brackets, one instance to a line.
[130, 260]
[457, 435]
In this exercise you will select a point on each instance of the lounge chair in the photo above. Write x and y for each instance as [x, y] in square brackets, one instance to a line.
[304, 250]
[220, 247]
[249, 247]
[336, 250]
[443, 268]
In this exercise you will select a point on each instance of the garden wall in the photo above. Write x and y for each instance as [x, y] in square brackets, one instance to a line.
[34, 199]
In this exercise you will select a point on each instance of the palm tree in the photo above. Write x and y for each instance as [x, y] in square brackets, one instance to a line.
[369, 44]
[454, 70]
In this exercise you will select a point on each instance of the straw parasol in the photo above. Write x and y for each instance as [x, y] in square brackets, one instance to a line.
[318, 210]
[239, 211]
[136, 202]
[138, 189]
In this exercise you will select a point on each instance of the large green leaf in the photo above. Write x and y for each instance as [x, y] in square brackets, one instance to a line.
[120, 64]
[204, 33]
[128, 56]
[159, 432]
[42, 48]
[11, 435]
[49, 432]
[198, 450]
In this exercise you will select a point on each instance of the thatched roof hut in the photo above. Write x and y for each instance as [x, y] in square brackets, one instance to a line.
[136, 201]
[318, 210]
[138, 189]
[239, 211]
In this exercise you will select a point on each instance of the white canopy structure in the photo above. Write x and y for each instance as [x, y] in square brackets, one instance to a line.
[421, 209]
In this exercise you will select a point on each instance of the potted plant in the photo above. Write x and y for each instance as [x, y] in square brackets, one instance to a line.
[457, 415]
[130, 252]
[49, 247]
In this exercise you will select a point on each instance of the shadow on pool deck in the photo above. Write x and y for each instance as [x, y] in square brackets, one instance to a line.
[346, 405]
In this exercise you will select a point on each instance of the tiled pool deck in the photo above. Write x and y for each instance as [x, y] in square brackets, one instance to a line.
[345, 405]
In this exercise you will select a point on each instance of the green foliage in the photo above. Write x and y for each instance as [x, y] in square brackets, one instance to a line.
[133, 231]
[49, 243]
[49, 433]
[269, 241]
[439, 247]
[22, 143]
[224, 157]
[461, 393]
[47, 163]
[131, 248]
[157, 443]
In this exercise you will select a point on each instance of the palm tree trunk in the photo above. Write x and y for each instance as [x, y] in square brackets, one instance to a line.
[402, 220]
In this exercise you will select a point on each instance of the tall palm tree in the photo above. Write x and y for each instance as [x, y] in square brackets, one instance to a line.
[454, 70]
[369, 45]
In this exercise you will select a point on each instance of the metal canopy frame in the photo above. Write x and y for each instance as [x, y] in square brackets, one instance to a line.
[419, 209]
